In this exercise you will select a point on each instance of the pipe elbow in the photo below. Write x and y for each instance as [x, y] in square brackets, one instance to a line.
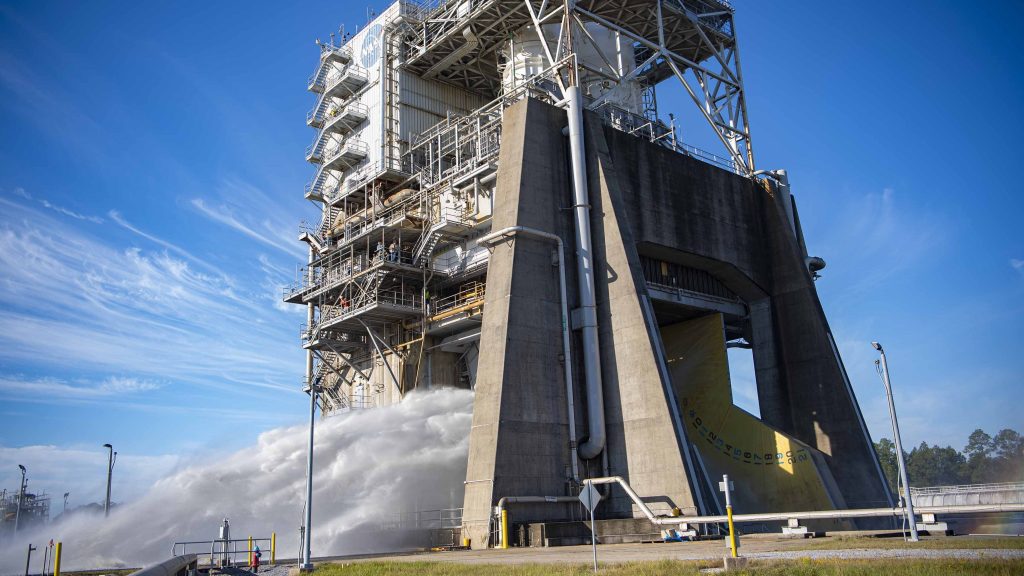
[594, 445]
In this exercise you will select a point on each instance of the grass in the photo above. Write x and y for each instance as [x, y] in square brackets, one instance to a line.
[802, 567]
[958, 543]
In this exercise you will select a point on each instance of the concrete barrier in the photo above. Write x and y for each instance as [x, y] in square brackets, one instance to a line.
[176, 566]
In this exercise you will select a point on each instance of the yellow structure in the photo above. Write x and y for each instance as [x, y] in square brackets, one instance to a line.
[772, 470]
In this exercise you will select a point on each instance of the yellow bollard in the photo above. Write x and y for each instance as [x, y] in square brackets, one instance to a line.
[250, 551]
[732, 532]
[56, 560]
[504, 528]
[273, 548]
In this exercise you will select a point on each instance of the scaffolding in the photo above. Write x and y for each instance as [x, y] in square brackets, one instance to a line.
[394, 266]
[35, 510]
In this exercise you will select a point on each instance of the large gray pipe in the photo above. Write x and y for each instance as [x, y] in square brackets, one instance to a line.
[585, 273]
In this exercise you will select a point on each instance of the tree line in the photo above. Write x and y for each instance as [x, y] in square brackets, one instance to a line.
[985, 459]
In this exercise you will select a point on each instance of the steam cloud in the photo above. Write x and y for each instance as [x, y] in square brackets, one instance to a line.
[368, 466]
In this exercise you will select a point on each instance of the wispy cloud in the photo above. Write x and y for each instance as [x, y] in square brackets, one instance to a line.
[53, 387]
[115, 310]
[57, 208]
[877, 239]
[1017, 265]
[121, 221]
[225, 215]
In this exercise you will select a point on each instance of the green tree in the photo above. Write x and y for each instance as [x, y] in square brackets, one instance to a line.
[886, 450]
[935, 466]
[979, 468]
[1008, 448]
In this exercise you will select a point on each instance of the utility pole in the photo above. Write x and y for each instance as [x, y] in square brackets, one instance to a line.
[111, 458]
[65, 511]
[899, 445]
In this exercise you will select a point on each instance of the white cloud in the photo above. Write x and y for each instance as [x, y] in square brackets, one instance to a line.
[115, 310]
[21, 192]
[56, 388]
[226, 216]
[869, 241]
[1017, 264]
[121, 221]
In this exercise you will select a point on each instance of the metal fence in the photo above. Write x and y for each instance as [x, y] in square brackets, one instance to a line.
[968, 488]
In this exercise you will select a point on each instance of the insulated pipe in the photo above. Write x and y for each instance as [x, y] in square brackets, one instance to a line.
[585, 272]
[504, 502]
[800, 515]
[566, 346]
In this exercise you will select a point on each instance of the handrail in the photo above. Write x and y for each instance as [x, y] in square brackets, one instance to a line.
[184, 545]
[473, 292]
[349, 71]
[327, 49]
[347, 146]
[968, 488]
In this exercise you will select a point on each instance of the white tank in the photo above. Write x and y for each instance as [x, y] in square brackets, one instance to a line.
[525, 55]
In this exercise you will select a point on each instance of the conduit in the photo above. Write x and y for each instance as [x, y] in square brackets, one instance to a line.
[471, 43]
[741, 518]
[585, 271]
[566, 345]
[799, 515]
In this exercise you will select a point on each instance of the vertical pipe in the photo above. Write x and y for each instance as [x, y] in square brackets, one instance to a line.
[787, 201]
[585, 272]
[899, 449]
[273, 548]
[250, 552]
[56, 559]
[566, 340]
[504, 528]
[728, 513]
[28, 559]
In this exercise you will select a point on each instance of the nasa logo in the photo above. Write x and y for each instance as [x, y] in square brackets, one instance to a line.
[370, 50]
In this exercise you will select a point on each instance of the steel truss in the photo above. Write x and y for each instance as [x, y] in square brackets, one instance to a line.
[693, 41]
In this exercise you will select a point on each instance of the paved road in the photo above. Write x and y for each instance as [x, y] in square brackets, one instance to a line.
[754, 548]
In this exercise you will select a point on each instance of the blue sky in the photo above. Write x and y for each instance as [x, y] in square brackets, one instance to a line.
[151, 174]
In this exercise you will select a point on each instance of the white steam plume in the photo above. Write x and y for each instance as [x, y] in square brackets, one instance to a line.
[368, 466]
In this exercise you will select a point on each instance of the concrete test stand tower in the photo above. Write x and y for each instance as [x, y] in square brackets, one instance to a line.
[503, 210]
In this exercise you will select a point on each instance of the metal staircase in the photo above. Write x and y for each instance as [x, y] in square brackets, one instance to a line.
[446, 222]
[330, 56]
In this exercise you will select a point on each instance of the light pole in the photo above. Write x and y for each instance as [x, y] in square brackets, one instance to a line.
[307, 559]
[899, 445]
[21, 498]
[111, 458]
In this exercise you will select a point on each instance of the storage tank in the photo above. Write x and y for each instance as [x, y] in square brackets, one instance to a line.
[604, 51]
